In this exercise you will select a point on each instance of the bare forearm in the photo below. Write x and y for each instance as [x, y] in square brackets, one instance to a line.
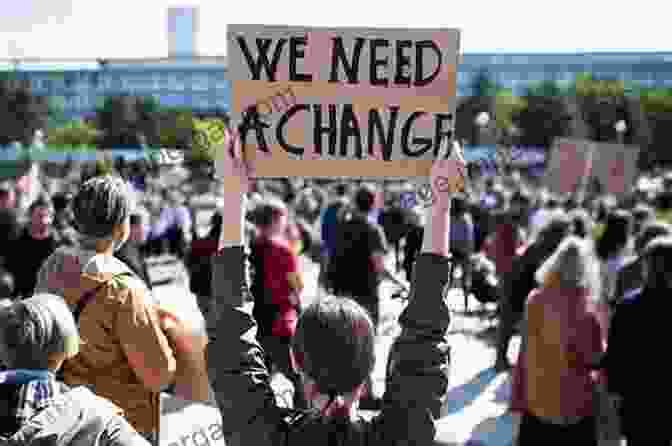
[233, 227]
[437, 231]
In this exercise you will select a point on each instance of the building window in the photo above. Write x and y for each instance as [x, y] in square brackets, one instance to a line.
[202, 102]
[69, 80]
[200, 82]
[222, 84]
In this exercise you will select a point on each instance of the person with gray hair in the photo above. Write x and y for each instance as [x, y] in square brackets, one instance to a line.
[36, 336]
[127, 357]
[563, 336]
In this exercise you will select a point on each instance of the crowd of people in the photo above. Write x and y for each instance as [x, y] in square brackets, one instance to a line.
[582, 279]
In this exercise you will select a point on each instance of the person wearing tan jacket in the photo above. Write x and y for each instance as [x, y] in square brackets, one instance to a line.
[125, 355]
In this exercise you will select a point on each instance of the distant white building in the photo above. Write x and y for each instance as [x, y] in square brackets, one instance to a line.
[186, 79]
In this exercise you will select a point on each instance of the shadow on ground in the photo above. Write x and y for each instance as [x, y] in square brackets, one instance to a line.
[494, 431]
[461, 396]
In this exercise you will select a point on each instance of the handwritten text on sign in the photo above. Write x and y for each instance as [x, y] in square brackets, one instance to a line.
[386, 96]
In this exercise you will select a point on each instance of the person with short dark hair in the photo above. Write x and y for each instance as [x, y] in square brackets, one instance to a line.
[330, 225]
[36, 243]
[630, 278]
[127, 356]
[276, 288]
[582, 223]
[641, 216]
[358, 263]
[638, 326]
[613, 248]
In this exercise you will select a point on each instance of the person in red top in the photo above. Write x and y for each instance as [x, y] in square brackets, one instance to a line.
[276, 287]
[509, 237]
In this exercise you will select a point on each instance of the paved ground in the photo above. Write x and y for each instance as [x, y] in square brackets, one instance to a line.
[475, 413]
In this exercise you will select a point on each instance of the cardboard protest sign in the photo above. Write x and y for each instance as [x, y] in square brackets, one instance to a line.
[569, 166]
[185, 423]
[615, 167]
[342, 102]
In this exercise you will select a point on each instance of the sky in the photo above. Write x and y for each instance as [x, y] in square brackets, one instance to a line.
[89, 29]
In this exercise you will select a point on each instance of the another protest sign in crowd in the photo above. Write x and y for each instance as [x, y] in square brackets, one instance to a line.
[583, 282]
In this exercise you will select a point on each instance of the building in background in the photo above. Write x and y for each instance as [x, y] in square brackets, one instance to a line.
[187, 79]
[182, 32]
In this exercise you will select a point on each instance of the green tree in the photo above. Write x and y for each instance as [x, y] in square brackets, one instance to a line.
[656, 104]
[129, 121]
[507, 105]
[543, 118]
[602, 103]
[21, 111]
[545, 88]
[74, 134]
[176, 128]
[210, 133]
[482, 99]
[483, 85]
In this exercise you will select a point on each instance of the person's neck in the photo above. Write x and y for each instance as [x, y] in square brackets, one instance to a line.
[39, 233]
[102, 247]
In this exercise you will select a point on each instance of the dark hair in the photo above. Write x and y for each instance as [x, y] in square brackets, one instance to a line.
[522, 198]
[640, 215]
[268, 212]
[365, 198]
[664, 200]
[616, 234]
[553, 232]
[650, 232]
[458, 206]
[342, 189]
[216, 222]
[41, 202]
[581, 222]
[602, 211]
[658, 258]
[334, 345]
[136, 219]
[61, 201]
[101, 204]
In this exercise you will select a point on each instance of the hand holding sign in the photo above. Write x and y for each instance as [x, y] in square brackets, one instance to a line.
[448, 175]
[232, 164]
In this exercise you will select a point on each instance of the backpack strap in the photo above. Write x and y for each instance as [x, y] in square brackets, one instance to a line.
[89, 295]
[79, 307]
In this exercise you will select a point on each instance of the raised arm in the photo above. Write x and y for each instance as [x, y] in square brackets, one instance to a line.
[239, 376]
[417, 379]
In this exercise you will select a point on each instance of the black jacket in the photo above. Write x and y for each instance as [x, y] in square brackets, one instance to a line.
[415, 389]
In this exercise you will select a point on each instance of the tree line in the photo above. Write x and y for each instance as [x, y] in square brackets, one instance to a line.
[588, 107]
